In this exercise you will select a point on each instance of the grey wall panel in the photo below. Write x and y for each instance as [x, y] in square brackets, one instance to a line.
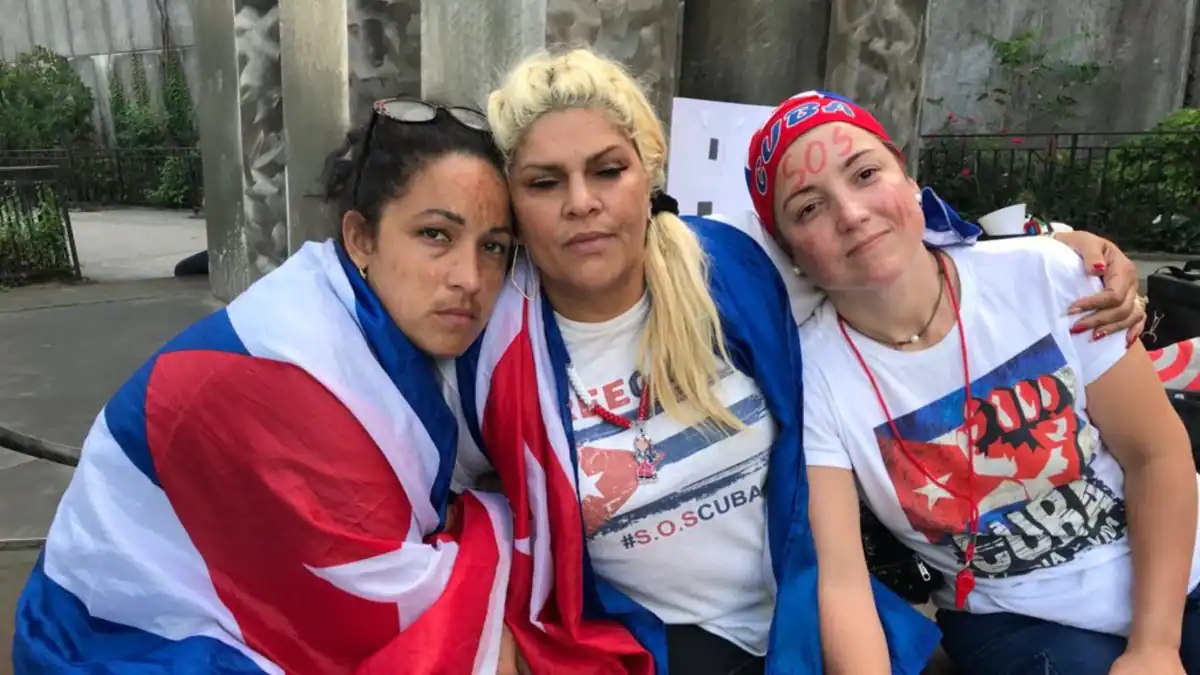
[753, 51]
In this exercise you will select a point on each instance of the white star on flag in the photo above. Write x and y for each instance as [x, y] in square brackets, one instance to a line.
[587, 484]
[934, 491]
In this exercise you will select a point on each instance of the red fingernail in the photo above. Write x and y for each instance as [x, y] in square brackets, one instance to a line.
[1098, 334]
[1076, 330]
[1099, 267]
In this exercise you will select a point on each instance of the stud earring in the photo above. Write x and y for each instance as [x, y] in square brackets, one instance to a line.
[918, 196]
[796, 271]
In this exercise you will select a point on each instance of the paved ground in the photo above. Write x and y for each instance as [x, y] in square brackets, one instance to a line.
[126, 244]
[64, 349]
[63, 352]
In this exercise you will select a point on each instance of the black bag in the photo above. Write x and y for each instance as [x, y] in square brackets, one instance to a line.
[894, 564]
[1173, 311]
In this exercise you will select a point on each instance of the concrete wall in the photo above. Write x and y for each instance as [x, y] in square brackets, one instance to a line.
[101, 37]
[1145, 48]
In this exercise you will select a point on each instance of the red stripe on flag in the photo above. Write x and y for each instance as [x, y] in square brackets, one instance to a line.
[269, 474]
[1177, 366]
[444, 640]
[512, 422]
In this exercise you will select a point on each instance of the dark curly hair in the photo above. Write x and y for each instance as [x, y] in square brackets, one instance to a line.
[398, 152]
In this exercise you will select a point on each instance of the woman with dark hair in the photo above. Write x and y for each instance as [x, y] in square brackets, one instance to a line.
[271, 492]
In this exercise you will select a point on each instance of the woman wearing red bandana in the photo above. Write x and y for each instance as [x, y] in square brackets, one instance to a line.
[954, 390]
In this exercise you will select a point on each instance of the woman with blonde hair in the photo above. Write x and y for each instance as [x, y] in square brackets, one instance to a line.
[638, 391]
[1039, 468]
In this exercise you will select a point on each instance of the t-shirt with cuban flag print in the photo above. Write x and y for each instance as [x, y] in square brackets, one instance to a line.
[690, 544]
[1053, 540]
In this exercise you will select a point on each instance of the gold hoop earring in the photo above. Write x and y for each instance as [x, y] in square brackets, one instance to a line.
[512, 272]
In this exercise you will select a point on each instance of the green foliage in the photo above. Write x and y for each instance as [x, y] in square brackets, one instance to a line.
[1033, 84]
[177, 100]
[173, 189]
[1149, 171]
[136, 122]
[43, 103]
[140, 126]
[33, 234]
[1040, 77]
[45, 106]
[1143, 192]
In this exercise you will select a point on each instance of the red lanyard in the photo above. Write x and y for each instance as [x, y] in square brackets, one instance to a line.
[964, 581]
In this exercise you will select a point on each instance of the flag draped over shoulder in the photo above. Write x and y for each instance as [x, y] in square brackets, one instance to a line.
[268, 494]
[943, 227]
[1178, 365]
[563, 616]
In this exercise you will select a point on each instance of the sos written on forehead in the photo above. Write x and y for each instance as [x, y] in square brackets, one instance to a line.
[827, 152]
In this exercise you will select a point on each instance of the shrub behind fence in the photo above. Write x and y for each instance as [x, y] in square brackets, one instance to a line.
[1142, 190]
[36, 240]
[159, 177]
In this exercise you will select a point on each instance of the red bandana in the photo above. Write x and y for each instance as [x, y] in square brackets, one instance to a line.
[792, 119]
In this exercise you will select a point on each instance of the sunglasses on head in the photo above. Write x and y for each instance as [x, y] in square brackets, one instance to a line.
[411, 111]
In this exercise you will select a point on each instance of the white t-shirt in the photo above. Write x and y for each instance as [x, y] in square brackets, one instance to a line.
[1053, 542]
[691, 546]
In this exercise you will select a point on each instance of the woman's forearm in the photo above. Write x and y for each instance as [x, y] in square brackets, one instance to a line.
[1160, 494]
[851, 634]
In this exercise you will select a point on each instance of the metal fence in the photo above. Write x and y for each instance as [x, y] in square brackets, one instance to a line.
[36, 239]
[92, 177]
[1142, 189]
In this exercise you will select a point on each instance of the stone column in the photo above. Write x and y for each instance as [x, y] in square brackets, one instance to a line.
[220, 120]
[241, 131]
[315, 73]
[466, 45]
[1191, 94]
[753, 51]
[876, 57]
[262, 158]
[384, 40]
[339, 57]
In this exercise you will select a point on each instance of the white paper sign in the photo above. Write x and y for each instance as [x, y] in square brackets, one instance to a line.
[706, 167]
[706, 174]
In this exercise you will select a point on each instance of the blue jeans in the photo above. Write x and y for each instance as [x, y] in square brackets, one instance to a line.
[1010, 644]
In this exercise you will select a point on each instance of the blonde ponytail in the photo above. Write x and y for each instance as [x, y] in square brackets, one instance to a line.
[683, 345]
[684, 327]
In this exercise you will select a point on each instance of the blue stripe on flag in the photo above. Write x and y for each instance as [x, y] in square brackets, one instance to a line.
[125, 413]
[467, 370]
[413, 372]
[56, 635]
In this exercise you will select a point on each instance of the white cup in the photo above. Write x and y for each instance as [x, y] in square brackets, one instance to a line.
[1007, 221]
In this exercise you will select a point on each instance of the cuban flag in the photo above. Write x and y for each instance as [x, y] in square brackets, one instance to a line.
[566, 619]
[270, 494]
[1178, 365]
[531, 454]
